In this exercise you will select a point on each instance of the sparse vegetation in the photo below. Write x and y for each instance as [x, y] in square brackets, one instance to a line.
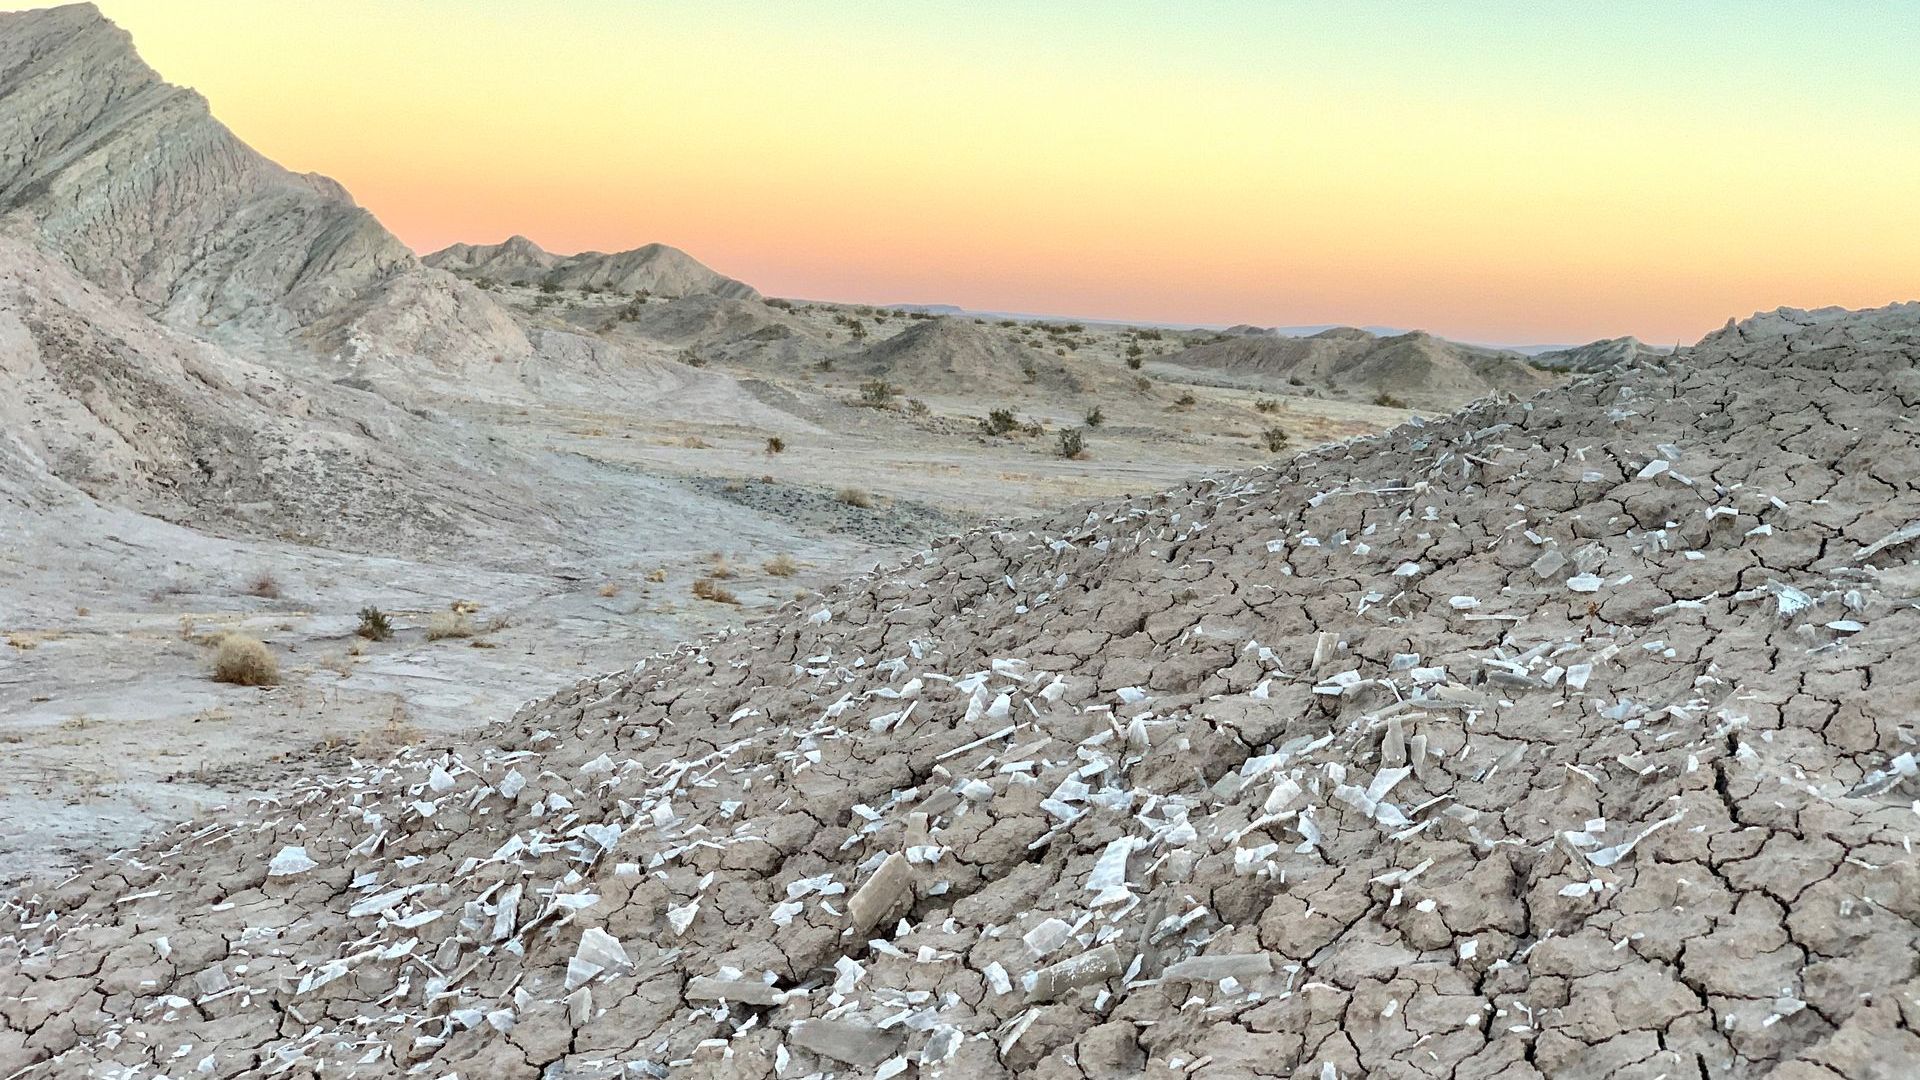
[721, 568]
[244, 661]
[781, 565]
[1095, 417]
[853, 496]
[610, 589]
[449, 624]
[264, 586]
[1187, 400]
[1134, 361]
[1266, 405]
[374, 625]
[1142, 383]
[1388, 401]
[916, 407]
[999, 422]
[549, 288]
[1073, 443]
[710, 590]
[776, 444]
[878, 392]
[1275, 439]
[779, 304]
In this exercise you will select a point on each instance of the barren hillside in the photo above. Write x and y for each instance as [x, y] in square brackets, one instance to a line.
[1561, 737]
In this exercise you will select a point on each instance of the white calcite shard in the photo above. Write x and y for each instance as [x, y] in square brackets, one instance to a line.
[289, 861]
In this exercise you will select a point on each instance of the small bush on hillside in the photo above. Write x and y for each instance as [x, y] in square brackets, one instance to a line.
[999, 422]
[783, 305]
[776, 444]
[857, 497]
[877, 392]
[374, 625]
[916, 407]
[264, 586]
[1142, 383]
[1073, 442]
[449, 624]
[1031, 371]
[781, 566]
[1266, 405]
[244, 661]
[1134, 361]
[1096, 417]
[1275, 439]
[549, 288]
[1187, 399]
[1386, 400]
[709, 590]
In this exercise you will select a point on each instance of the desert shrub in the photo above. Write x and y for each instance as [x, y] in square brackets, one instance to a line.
[877, 392]
[657, 574]
[1095, 418]
[1387, 400]
[1134, 349]
[449, 624]
[776, 444]
[1073, 442]
[1187, 399]
[823, 365]
[486, 283]
[916, 407]
[710, 590]
[1295, 380]
[781, 566]
[549, 288]
[244, 661]
[1031, 370]
[783, 305]
[1134, 361]
[1142, 383]
[263, 585]
[1275, 439]
[999, 422]
[610, 589]
[1266, 405]
[854, 496]
[695, 442]
[722, 569]
[374, 625]
[1148, 334]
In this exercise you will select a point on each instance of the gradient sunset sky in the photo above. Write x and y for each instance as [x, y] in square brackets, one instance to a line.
[1508, 172]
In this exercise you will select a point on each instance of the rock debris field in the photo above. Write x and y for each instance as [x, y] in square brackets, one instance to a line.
[1566, 737]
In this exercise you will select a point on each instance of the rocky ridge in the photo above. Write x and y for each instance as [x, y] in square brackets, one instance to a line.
[654, 269]
[1568, 736]
[1417, 367]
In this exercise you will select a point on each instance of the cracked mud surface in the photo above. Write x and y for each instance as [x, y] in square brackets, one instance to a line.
[1570, 737]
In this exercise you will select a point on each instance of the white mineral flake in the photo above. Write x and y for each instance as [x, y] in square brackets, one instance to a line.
[289, 861]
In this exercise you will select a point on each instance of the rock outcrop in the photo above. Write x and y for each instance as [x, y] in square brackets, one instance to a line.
[1595, 356]
[1416, 368]
[1563, 737]
[655, 269]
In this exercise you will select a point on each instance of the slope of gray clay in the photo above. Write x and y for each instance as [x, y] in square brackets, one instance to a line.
[656, 269]
[1565, 737]
[1595, 355]
[1417, 367]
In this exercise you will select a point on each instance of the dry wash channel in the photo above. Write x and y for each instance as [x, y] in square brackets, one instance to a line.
[1566, 737]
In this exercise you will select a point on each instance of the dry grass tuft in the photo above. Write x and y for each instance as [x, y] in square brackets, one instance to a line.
[710, 590]
[781, 565]
[722, 569]
[853, 496]
[449, 624]
[658, 574]
[610, 589]
[264, 586]
[244, 661]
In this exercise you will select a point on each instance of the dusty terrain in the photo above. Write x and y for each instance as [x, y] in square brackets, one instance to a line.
[1067, 700]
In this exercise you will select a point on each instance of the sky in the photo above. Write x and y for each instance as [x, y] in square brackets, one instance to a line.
[1511, 172]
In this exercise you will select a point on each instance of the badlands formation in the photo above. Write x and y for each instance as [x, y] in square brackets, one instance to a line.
[1567, 735]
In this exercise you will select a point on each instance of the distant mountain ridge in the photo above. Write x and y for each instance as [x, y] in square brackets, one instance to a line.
[656, 269]
[1417, 368]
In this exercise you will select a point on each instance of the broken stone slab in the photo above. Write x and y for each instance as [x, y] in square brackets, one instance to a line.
[1240, 966]
[1094, 966]
[871, 902]
[845, 1040]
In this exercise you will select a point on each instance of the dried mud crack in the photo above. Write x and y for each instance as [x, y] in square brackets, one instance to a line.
[1567, 737]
